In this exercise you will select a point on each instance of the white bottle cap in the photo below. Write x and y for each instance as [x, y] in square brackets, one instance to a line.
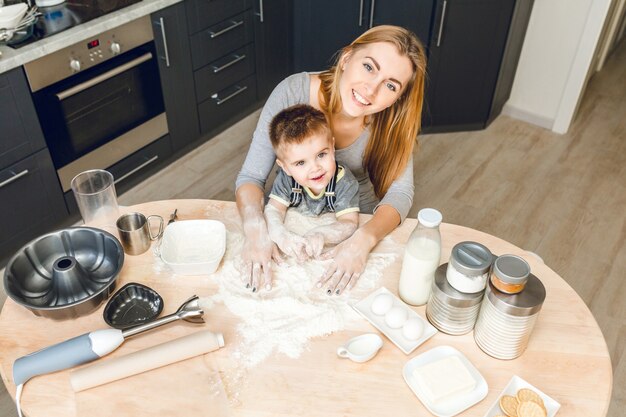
[429, 217]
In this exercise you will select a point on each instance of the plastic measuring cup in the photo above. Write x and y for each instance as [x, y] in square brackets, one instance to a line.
[95, 195]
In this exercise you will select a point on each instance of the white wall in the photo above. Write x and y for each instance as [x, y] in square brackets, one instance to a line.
[558, 50]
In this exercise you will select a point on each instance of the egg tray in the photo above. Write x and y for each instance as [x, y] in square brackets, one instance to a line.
[364, 308]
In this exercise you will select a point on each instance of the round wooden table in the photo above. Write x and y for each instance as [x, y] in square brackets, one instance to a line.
[567, 356]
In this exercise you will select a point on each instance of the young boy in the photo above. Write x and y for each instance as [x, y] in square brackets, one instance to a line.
[309, 181]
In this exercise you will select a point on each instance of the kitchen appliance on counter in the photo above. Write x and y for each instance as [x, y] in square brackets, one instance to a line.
[99, 101]
[58, 16]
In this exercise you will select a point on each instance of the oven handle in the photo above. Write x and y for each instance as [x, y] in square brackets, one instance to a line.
[138, 168]
[103, 77]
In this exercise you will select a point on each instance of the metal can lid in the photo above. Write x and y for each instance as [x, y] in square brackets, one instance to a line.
[511, 269]
[449, 295]
[471, 258]
[525, 303]
[429, 217]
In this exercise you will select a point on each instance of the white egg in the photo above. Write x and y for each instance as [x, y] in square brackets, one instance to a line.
[382, 304]
[396, 317]
[413, 329]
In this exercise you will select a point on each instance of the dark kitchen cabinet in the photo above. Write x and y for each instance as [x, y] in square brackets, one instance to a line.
[273, 43]
[31, 200]
[323, 27]
[474, 50]
[21, 134]
[172, 44]
[415, 15]
[223, 58]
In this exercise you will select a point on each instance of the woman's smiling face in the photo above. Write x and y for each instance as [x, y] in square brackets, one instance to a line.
[373, 78]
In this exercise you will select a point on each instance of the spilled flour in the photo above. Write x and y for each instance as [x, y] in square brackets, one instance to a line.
[284, 319]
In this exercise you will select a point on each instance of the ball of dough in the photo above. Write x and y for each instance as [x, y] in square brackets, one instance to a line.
[396, 317]
[382, 304]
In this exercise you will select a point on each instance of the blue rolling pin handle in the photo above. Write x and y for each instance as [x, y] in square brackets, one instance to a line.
[63, 355]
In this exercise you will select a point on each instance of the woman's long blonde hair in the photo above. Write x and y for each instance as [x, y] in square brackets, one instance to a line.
[393, 130]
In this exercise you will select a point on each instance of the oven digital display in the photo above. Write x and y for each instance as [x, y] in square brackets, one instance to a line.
[93, 44]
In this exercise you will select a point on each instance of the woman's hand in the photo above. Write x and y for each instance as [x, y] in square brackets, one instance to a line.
[349, 259]
[257, 254]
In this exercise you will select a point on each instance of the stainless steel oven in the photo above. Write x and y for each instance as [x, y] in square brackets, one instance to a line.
[99, 100]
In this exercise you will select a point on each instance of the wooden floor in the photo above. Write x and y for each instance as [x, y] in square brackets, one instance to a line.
[561, 196]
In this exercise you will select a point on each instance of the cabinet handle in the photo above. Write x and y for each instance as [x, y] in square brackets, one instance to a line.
[225, 99]
[260, 14]
[138, 168]
[372, 13]
[443, 18]
[165, 49]
[103, 77]
[13, 178]
[228, 29]
[228, 64]
[361, 14]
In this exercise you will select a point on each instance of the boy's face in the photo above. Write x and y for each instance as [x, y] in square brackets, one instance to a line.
[311, 163]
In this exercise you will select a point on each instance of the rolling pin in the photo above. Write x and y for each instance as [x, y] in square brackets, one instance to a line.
[144, 360]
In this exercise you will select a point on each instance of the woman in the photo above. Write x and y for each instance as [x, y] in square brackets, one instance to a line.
[373, 100]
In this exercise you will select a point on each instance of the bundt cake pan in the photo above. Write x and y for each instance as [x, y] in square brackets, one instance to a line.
[66, 273]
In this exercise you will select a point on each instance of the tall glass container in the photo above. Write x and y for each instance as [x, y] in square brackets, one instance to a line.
[96, 198]
[421, 258]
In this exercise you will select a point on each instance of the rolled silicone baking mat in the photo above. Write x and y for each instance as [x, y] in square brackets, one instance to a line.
[144, 360]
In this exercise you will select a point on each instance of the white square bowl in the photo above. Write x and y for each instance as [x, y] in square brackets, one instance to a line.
[515, 384]
[193, 247]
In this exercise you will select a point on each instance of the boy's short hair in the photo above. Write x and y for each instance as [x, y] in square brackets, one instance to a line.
[295, 124]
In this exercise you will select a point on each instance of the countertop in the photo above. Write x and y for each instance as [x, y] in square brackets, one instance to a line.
[567, 357]
[12, 58]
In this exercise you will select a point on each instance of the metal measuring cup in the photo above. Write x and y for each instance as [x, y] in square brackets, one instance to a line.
[135, 232]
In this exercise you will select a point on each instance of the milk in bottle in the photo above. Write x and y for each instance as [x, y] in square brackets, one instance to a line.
[421, 258]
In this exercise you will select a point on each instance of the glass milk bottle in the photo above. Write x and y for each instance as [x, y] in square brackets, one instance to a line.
[421, 258]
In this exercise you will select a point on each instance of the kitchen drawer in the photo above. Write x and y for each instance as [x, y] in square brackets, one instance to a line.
[204, 13]
[20, 131]
[235, 66]
[32, 201]
[133, 169]
[220, 39]
[227, 103]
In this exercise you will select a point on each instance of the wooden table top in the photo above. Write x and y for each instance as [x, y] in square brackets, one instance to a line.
[567, 356]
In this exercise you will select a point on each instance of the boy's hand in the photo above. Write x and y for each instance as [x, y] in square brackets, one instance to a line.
[292, 245]
[315, 244]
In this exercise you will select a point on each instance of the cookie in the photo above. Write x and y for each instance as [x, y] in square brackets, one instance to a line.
[531, 409]
[526, 394]
[509, 405]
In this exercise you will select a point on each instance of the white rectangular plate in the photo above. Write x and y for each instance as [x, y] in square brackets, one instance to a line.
[364, 308]
[452, 406]
[515, 384]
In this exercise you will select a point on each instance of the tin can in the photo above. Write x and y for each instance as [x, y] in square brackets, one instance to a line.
[506, 321]
[449, 310]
